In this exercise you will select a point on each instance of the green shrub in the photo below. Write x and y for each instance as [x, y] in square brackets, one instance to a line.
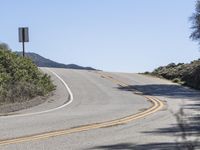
[187, 74]
[20, 79]
[177, 80]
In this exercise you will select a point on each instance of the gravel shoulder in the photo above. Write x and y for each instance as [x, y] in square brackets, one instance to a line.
[52, 100]
[6, 109]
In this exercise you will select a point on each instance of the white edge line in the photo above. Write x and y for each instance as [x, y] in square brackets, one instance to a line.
[50, 110]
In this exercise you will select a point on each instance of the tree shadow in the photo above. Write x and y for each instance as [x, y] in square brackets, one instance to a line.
[173, 91]
[185, 127]
[169, 90]
[151, 146]
[177, 92]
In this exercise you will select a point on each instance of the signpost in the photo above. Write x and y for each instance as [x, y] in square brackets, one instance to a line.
[23, 37]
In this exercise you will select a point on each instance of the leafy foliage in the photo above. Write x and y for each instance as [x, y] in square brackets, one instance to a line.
[4, 46]
[186, 74]
[195, 18]
[20, 79]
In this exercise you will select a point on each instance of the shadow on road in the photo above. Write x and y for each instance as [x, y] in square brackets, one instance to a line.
[169, 90]
[152, 146]
[185, 128]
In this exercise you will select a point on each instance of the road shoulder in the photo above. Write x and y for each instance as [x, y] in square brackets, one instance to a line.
[41, 103]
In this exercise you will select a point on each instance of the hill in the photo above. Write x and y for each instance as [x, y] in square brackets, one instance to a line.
[185, 74]
[44, 62]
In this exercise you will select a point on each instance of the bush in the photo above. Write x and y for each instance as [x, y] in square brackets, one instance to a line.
[20, 79]
[187, 74]
[4, 46]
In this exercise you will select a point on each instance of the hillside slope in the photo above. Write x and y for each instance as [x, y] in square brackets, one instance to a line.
[186, 74]
[44, 62]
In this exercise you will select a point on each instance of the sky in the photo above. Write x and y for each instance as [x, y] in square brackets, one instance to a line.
[111, 35]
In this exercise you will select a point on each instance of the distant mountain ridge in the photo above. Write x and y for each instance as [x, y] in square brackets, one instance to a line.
[44, 62]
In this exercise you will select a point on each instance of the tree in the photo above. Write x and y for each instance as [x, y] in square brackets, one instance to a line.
[4, 46]
[195, 19]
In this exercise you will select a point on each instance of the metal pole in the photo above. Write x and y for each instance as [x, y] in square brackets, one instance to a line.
[23, 47]
[23, 39]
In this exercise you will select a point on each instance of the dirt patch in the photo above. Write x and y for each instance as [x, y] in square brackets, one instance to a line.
[12, 107]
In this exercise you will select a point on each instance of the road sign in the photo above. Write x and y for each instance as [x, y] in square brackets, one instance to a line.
[23, 34]
[23, 37]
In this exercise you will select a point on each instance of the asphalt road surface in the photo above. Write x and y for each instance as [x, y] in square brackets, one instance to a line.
[103, 110]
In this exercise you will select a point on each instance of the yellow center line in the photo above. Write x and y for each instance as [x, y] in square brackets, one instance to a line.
[157, 105]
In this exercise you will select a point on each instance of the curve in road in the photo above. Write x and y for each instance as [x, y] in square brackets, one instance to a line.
[157, 105]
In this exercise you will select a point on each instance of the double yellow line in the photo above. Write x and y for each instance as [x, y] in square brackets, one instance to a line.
[157, 105]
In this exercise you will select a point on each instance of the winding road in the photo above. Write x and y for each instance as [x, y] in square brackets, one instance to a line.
[100, 110]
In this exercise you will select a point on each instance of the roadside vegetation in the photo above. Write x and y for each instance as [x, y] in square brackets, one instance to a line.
[189, 75]
[185, 74]
[20, 79]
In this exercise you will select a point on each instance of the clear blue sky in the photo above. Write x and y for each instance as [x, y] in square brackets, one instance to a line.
[112, 35]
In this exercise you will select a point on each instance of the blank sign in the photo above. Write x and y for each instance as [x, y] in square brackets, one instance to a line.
[23, 34]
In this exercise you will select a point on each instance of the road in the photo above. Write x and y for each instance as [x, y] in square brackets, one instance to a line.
[103, 111]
